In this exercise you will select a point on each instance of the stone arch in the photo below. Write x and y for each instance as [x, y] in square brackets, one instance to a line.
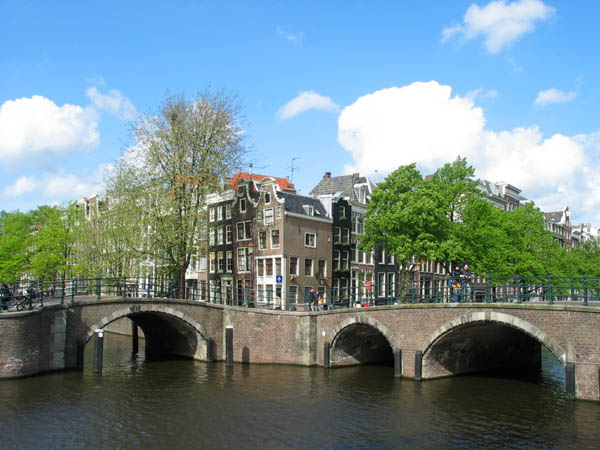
[361, 339]
[502, 318]
[202, 339]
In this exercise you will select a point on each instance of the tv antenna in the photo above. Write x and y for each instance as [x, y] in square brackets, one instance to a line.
[292, 169]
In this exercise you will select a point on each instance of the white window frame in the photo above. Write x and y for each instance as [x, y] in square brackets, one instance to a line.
[268, 216]
[261, 241]
[311, 272]
[242, 205]
[273, 245]
[308, 234]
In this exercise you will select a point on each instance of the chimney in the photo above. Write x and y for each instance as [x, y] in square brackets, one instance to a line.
[327, 175]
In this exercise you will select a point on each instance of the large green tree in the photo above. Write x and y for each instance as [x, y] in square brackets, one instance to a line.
[413, 216]
[183, 152]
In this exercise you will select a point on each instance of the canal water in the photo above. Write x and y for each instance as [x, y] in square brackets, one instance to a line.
[183, 404]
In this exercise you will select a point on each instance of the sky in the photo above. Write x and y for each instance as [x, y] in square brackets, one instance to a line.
[326, 86]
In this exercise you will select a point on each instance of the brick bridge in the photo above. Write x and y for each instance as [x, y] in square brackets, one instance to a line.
[422, 341]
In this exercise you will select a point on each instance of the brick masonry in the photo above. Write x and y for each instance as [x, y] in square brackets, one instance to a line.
[54, 337]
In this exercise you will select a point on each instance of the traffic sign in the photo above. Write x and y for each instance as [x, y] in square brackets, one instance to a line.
[279, 279]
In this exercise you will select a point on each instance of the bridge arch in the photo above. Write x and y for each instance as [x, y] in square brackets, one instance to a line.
[166, 329]
[466, 344]
[361, 339]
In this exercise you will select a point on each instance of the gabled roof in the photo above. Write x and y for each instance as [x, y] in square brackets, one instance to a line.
[344, 184]
[295, 204]
[283, 183]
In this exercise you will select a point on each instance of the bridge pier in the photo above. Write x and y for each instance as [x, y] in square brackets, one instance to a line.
[583, 380]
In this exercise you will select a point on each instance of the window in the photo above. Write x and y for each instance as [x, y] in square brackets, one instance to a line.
[308, 267]
[278, 212]
[258, 215]
[212, 238]
[277, 266]
[269, 267]
[242, 205]
[381, 284]
[292, 293]
[274, 238]
[212, 212]
[322, 268]
[337, 234]
[346, 235]
[228, 211]
[243, 261]
[382, 256]
[309, 210]
[336, 259]
[390, 284]
[219, 213]
[269, 216]
[243, 231]
[267, 197]
[220, 232]
[342, 212]
[229, 261]
[221, 262]
[202, 264]
[357, 223]
[260, 267]
[345, 259]
[310, 240]
[262, 240]
[228, 234]
[213, 262]
[293, 265]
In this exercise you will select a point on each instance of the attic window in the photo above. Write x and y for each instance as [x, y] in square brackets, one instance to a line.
[309, 210]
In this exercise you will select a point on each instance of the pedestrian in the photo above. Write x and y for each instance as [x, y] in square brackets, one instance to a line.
[311, 300]
[455, 286]
[465, 278]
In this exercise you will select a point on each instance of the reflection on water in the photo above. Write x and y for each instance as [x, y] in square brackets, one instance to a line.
[189, 404]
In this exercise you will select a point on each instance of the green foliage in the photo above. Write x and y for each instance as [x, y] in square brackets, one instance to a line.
[412, 216]
[15, 241]
[446, 218]
[183, 153]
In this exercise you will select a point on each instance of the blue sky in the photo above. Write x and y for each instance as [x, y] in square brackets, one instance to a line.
[342, 86]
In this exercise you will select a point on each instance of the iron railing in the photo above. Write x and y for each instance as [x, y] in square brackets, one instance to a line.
[541, 289]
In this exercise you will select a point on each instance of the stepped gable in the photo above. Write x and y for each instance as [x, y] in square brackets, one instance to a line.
[295, 204]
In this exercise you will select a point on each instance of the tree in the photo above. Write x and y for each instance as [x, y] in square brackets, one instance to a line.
[15, 241]
[182, 153]
[416, 217]
[52, 242]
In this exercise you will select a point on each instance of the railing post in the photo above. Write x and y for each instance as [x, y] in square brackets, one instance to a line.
[550, 296]
[41, 295]
[62, 295]
[98, 288]
[488, 290]
[73, 290]
[585, 292]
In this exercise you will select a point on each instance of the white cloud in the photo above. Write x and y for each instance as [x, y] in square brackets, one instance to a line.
[479, 92]
[303, 102]
[114, 102]
[35, 131]
[500, 23]
[425, 124]
[554, 96]
[294, 38]
[58, 187]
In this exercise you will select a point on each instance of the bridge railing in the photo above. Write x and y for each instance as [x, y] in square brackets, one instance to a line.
[492, 289]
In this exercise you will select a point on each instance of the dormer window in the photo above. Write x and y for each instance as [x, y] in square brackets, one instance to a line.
[309, 210]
